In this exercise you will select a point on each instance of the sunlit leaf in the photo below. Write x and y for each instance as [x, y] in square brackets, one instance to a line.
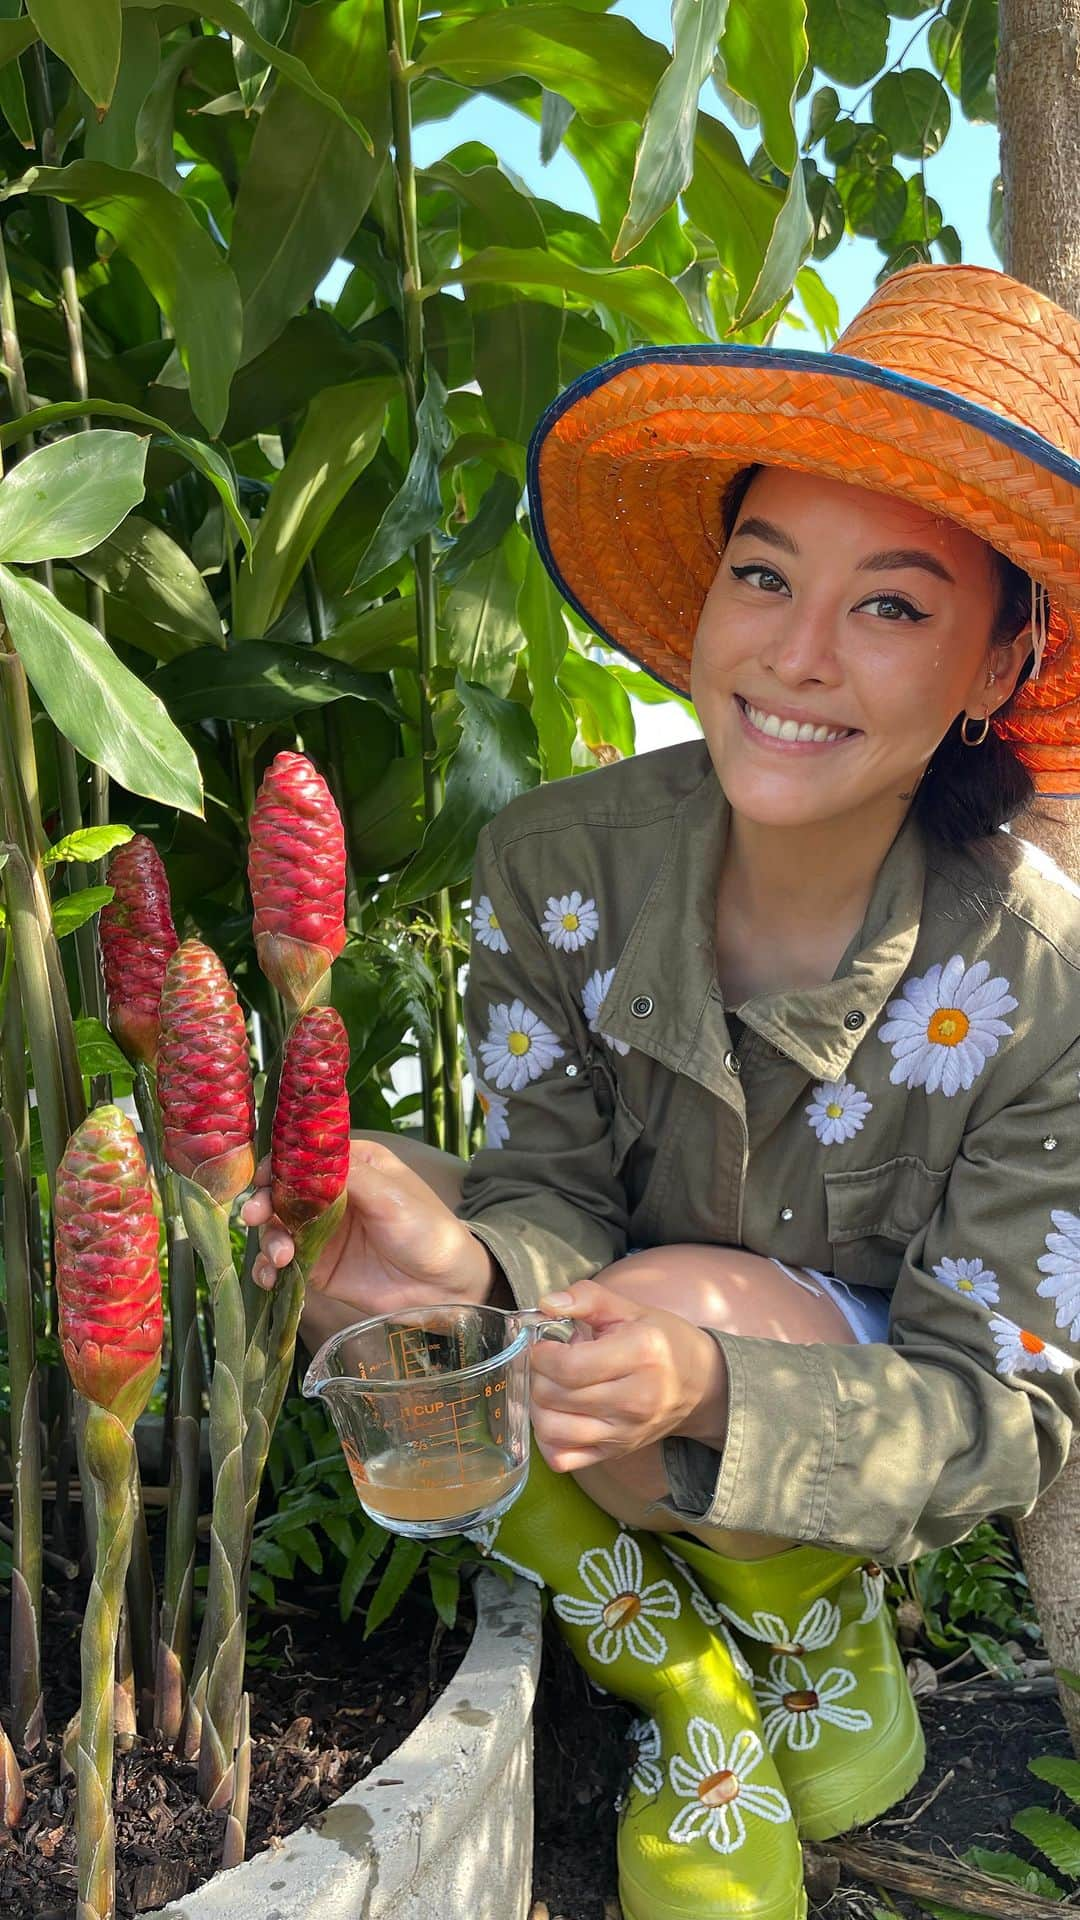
[97, 1050]
[480, 619]
[791, 240]
[85, 35]
[340, 435]
[1053, 1835]
[270, 19]
[68, 496]
[185, 272]
[72, 910]
[107, 713]
[261, 680]
[113, 139]
[142, 567]
[848, 38]
[517, 363]
[665, 156]
[539, 614]
[765, 53]
[602, 706]
[641, 293]
[87, 844]
[912, 108]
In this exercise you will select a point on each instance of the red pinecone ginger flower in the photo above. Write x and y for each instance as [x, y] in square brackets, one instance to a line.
[309, 1148]
[107, 1281]
[296, 870]
[204, 1075]
[137, 940]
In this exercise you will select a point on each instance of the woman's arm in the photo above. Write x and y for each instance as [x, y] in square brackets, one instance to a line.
[544, 1195]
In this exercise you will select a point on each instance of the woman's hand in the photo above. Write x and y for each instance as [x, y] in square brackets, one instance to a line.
[643, 1375]
[398, 1245]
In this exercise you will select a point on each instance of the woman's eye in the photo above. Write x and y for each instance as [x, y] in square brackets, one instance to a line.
[743, 573]
[907, 611]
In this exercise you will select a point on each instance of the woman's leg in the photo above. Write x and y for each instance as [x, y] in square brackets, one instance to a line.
[721, 1287]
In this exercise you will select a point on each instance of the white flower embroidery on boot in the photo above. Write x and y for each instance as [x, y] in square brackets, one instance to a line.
[622, 1609]
[873, 1586]
[712, 1617]
[646, 1774]
[794, 1706]
[818, 1628]
[485, 1537]
[717, 1786]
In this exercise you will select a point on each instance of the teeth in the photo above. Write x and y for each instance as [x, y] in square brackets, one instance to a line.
[777, 729]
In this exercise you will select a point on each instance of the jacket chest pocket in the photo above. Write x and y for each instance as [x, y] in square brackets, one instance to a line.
[624, 1125]
[874, 1213]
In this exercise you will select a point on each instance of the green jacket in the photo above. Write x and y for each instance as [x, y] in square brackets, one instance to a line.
[912, 1125]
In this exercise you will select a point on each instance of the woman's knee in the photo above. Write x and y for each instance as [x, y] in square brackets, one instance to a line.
[443, 1172]
[729, 1289]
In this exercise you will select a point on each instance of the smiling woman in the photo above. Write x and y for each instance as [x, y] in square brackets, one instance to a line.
[779, 1041]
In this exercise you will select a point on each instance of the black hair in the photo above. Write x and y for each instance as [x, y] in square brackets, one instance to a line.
[965, 792]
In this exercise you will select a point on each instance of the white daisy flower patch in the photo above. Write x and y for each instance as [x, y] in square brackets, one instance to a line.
[873, 1586]
[486, 928]
[647, 1773]
[519, 1047]
[838, 1111]
[717, 1786]
[569, 921]
[1018, 1350]
[593, 995]
[621, 1609]
[1061, 1265]
[947, 1025]
[970, 1278]
[818, 1628]
[794, 1708]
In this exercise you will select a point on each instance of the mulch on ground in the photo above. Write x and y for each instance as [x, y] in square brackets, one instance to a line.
[975, 1780]
[333, 1709]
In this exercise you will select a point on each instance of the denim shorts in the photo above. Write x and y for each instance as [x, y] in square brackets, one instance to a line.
[865, 1309]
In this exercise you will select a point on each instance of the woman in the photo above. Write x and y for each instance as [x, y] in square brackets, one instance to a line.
[777, 1038]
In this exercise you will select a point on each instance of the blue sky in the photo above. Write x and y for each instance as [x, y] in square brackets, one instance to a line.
[959, 176]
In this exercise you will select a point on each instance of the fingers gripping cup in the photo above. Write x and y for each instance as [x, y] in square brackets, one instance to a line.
[431, 1406]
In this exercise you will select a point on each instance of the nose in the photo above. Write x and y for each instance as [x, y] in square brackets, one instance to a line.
[802, 650]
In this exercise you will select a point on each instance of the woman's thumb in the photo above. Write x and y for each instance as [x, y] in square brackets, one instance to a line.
[595, 1306]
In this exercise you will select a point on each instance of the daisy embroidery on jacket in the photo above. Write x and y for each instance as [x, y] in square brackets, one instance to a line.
[621, 1609]
[1061, 1265]
[593, 994]
[485, 926]
[946, 1025]
[1020, 1351]
[570, 922]
[794, 1707]
[718, 1789]
[519, 1047]
[495, 1107]
[970, 1278]
[837, 1111]
[647, 1775]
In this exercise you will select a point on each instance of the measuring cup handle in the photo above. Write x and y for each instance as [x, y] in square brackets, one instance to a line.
[543, 1328]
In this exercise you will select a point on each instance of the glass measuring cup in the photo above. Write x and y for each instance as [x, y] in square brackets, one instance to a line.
[431, 1406]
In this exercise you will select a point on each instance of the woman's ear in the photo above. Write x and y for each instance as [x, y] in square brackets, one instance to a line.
[1004, 663]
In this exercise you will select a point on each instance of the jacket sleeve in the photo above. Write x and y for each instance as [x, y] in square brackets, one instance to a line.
[971, 1407]
[543, 1194]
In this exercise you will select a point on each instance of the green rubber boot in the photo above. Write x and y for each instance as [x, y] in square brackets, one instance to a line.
[838, 1714]
[705, 1828]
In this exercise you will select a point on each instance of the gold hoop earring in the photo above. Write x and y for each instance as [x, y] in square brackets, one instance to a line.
[979, 738]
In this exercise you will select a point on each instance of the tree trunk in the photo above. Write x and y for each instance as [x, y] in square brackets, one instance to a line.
[1038, 90]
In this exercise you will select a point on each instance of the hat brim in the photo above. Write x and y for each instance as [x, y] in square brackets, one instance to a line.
[627, 470]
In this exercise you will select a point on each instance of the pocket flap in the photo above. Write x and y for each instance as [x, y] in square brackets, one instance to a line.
[892, 1202]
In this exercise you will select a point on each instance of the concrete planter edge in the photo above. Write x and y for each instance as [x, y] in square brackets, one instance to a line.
[442, 1830]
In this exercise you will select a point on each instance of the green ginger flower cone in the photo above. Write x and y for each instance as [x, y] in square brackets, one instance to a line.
[839, 1718]
[705, 1827]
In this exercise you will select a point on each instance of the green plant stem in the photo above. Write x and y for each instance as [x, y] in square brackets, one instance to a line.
[442, 1085]
[56, 1118]
[178, 1584]
[235, 1842]
[27, 1710]
[110, 1449]
[208, 1225]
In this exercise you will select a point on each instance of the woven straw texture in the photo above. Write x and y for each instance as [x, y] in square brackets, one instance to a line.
[629, 475]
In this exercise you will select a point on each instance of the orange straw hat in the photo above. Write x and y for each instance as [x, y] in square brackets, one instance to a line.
[955, 387]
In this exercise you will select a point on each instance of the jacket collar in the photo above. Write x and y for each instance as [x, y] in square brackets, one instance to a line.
[668, 962]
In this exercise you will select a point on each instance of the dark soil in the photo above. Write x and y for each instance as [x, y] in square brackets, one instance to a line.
[333, 1709]
[976, 1771]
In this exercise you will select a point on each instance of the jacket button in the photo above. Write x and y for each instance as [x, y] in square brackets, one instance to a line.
[641, 1006]
[732, 1062]
[787, 1213]
[854, 1020]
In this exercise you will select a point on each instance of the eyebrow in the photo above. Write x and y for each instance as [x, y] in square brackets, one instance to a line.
[758, 529]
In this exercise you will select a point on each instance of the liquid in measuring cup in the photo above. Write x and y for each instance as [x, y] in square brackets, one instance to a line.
[403, 1485]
